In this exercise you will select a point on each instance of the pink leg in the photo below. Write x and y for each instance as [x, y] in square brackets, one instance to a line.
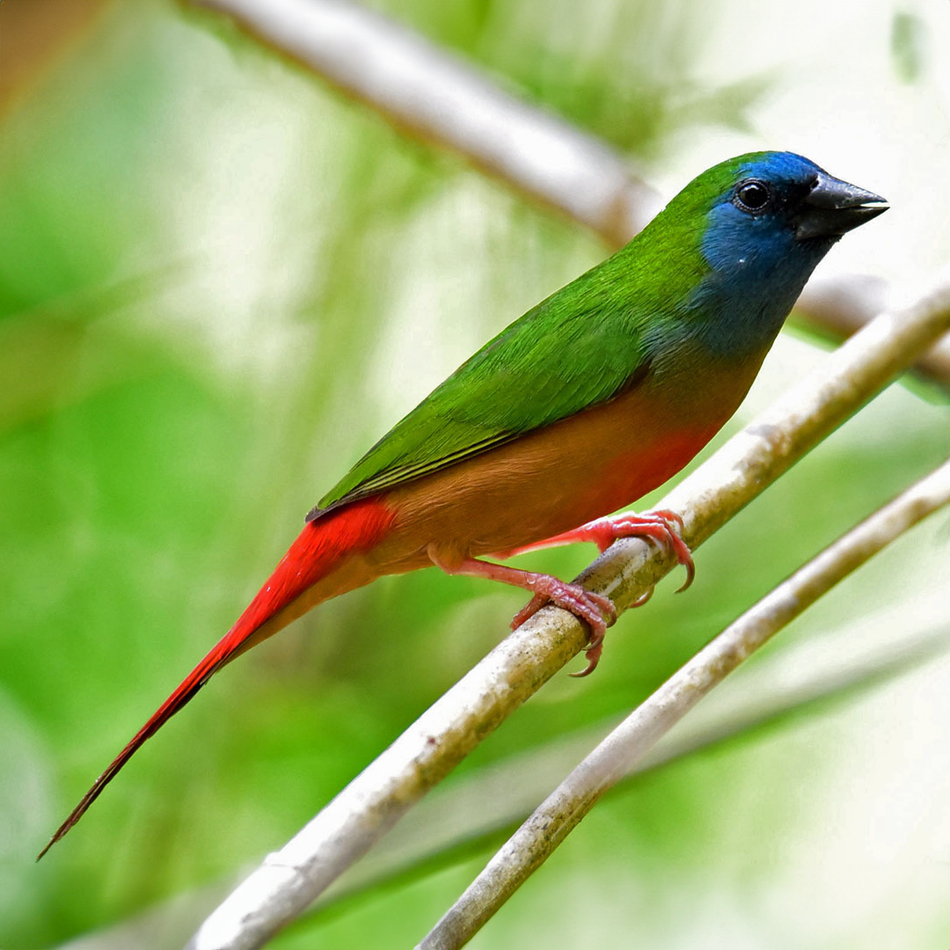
[663, 526]
[586, 606]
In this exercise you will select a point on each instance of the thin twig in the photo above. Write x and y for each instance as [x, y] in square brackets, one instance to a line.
[441, 99]
[536, 840]
[370, 805]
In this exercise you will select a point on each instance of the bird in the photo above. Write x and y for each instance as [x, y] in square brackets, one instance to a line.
[594, 397]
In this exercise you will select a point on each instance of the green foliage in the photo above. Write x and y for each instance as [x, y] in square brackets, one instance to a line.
[219, 283]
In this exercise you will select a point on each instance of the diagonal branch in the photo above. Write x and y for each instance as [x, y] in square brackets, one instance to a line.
[553, 820]
[501, 796]
[439, 98]
[290, 879]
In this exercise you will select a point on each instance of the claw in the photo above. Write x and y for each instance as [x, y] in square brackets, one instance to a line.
[674, 542]
[597, 611]
[663, 526]
[529, 610]
[643, 598]
[596, 646]
[593, 654]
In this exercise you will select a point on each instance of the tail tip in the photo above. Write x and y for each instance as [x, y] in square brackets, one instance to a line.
[49, 844]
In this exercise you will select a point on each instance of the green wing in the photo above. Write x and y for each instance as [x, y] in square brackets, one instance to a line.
[582, 346]
[576, 349]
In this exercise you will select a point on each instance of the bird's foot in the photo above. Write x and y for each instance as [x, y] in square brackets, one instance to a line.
[584, 604]
[663, 526]
[596, 640]
[597, 611]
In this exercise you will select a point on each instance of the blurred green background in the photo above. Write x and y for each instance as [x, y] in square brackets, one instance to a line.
[221, 281]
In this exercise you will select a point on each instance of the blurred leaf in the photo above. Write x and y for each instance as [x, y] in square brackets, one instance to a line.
[908, 46]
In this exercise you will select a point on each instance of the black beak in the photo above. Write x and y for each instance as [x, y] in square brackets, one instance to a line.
[833, 207]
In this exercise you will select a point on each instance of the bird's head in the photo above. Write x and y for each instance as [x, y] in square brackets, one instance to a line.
[762, 222]
[779, 203]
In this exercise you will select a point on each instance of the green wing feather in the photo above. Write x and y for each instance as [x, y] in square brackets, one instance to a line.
[527, 377]
[577, 349]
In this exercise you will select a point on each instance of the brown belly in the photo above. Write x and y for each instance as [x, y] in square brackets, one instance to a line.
[553, 479]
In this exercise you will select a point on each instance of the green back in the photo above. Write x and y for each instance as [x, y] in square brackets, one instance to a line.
[578, 348]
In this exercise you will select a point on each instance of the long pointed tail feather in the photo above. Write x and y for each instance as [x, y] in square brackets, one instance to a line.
[319, 548]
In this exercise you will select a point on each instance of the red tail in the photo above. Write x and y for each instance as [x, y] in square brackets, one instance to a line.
[319, 548]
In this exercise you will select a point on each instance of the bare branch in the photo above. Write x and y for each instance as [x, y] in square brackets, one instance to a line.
[503, 794]
[438, 98]
[559, 814]
[441, 99]
[842, 305]
[371, 804]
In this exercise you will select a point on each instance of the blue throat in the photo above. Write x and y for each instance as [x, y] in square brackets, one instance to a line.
[758, 269]
[757, 274]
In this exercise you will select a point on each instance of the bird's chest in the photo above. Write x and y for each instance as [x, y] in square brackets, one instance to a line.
[646, 437]
[737, 311]
[578, 469]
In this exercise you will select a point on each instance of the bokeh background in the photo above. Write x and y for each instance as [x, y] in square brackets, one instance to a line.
[221, 281]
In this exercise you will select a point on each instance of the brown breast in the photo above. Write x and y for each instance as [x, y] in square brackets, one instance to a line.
[558, 477]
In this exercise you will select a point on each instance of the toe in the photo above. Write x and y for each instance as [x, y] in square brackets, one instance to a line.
[529, 610]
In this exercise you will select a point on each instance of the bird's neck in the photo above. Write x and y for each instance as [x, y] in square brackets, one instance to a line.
[740, 304]
[736, 323]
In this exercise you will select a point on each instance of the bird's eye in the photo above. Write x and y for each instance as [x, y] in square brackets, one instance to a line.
[752, 195]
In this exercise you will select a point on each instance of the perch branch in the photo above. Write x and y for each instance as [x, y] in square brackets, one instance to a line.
[549, 825]
[292, 878]
[502, 795]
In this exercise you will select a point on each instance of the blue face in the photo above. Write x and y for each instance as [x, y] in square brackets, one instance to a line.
[759, 263]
